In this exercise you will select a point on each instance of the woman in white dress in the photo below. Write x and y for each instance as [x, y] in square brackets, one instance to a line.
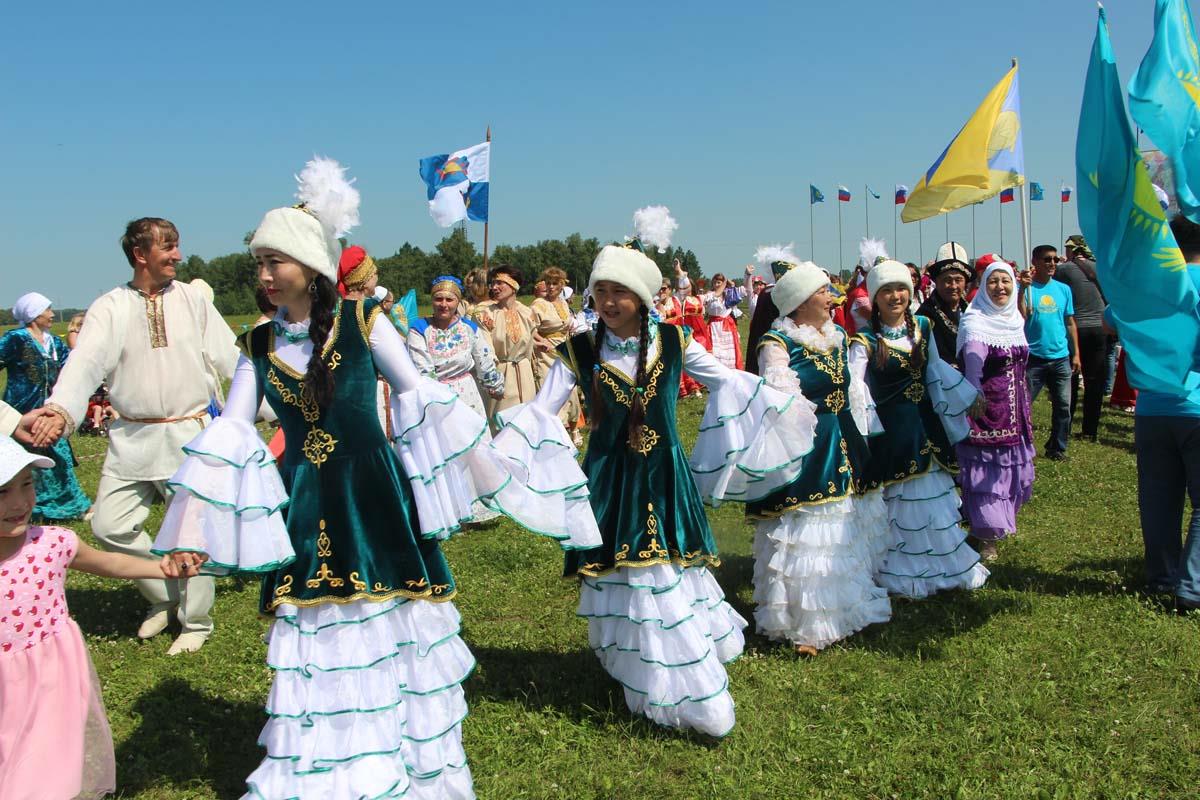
[721, 310]
[453, 351]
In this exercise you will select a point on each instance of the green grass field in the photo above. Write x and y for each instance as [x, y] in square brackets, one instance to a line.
[1056, 680]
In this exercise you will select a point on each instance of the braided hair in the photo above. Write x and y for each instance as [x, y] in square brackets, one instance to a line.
[318, 378]
[881, 349]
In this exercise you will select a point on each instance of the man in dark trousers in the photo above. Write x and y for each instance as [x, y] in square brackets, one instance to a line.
[950, 272]
[1078, 272]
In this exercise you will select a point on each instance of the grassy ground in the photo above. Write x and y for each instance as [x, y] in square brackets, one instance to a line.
[1056, 680]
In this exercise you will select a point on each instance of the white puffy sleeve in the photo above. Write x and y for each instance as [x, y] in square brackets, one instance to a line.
[862, 404]
[228, 494]
[547, 491]
[437, 439]
[753, 437]
[951, 394]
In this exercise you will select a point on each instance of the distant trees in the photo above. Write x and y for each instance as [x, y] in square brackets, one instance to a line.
[234, 277]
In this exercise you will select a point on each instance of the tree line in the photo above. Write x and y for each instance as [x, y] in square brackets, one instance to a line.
[234, 278]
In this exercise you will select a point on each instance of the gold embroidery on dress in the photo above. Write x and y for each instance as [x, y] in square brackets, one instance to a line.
[650, 438]
[835, 401]
[324, 546]
[653, 550]
[832, 362]
[324, 574]
[334, 360]
[439, 588]
[318, 445]
[416, 584]
[358, 585]
[379, 587]
[308, 408]
[915, 392]
[285, 586]
[622, 554]
[618, 393]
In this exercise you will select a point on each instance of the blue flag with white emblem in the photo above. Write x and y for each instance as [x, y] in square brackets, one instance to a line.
[457, 184]
[1151, 298]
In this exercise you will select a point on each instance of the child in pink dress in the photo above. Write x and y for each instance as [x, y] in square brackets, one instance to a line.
[54, 738]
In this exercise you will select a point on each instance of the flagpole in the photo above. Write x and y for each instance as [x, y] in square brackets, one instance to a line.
[1025, 223]
[1061, 211]
[896, 231]
[1001, 250]
[812, 243]
[867, 208]
[839, 202]
[973, 249]
[947, 215]
[485, 224]
[921, 240]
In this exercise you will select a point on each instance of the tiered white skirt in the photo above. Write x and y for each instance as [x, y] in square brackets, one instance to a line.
[813, 572]
[929, 552]
[665, 634]
[367, 702]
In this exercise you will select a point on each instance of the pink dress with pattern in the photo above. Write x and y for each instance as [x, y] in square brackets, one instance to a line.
[54, 737]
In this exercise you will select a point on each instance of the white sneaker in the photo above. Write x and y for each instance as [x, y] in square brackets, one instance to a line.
[154, 624]
[187, 643]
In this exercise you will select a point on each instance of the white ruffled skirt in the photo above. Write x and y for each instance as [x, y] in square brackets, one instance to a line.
[813, 572]
[929, 552]
[665, 634]
[367, 702]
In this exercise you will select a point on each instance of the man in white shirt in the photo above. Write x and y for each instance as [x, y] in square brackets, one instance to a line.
[154, 342]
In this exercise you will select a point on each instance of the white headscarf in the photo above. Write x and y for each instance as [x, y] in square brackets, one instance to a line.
[29, 307]
[984, 321]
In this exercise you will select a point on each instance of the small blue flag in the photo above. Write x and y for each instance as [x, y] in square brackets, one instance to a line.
[1145, 278]
[872, 192]
[814, 195]
[1035, 191]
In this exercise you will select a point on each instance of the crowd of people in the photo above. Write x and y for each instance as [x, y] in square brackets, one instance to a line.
[879, 434]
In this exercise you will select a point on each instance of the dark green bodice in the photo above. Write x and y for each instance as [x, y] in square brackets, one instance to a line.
[352, 519]
[914, 437]
[839, 456]
[645, 502]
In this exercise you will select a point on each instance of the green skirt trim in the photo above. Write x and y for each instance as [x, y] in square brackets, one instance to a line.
[229, 569]
[222, 504]
[262, 463]
[721, 420]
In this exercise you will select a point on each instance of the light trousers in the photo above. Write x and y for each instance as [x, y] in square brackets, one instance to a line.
[120, 511]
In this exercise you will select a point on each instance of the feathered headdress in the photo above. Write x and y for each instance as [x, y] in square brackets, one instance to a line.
[871, 252]
[654, 226]
[776, 258]
[309, 232]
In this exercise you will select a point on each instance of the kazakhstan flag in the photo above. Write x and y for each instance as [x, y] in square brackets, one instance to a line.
[1164, 98]
[1144, 276]
[985, 157]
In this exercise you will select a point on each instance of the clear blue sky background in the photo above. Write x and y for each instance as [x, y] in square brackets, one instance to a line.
[202, 112]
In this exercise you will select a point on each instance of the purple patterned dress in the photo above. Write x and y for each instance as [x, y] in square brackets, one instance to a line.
[996, 459]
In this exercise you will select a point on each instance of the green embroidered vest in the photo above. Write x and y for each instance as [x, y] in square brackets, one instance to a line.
[839, 457]
[352, 519]
[645, 501]
[913, 433]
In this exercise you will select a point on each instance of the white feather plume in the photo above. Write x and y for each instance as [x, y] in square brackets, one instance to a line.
[325, 191]
[654, 225]
[768, 254]
[871, 251]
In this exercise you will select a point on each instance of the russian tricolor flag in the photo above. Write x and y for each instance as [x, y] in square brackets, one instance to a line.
[1007, 196]
[901, 194]
[1066, 194]
[843, 194]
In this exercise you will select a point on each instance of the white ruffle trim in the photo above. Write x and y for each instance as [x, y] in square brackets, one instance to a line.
[546, 491]
[929, 552]
[228, 496]
[664, 633]
[366, 702]
[872, 520]
[951, 395]
[812, 575]
[441, 444]
[752, 441]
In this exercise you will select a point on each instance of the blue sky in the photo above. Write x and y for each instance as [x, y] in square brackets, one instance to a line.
[202, 112]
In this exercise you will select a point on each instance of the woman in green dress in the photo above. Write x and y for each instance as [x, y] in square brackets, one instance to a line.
[33, 357]
[922, 402]
[657, 619]
[366, 699]
[813, 562]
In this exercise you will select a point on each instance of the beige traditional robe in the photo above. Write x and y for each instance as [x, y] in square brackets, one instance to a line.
[554, 324]
[512, 342]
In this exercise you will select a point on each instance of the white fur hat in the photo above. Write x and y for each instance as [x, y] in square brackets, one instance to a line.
[887, 272]
[797, 285]
[14, 458]
[298, 234]
[630, 268]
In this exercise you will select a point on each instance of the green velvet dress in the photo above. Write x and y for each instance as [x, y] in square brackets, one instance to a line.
[915, 436]
[840, 456]
[351, 519]
[645, 501]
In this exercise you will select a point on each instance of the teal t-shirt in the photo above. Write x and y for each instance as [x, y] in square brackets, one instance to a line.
[1046, 328]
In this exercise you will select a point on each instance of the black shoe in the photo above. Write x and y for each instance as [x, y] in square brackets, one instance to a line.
[1056, 456]
[1185, 609]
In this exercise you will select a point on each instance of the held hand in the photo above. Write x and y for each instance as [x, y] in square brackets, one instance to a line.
[47, 427]
[183, 564]
[24, 429]
[486, 321]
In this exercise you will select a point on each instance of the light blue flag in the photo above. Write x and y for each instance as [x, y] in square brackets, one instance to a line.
[873, 193]
[1164, 98]
[1145, 280]
[1036, 192]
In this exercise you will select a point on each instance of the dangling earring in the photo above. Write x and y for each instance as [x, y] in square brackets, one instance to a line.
[312, 288]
